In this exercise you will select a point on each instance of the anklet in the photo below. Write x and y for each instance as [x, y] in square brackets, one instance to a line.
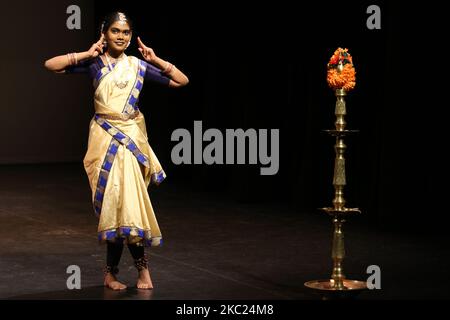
[141, 263]
[111, 269]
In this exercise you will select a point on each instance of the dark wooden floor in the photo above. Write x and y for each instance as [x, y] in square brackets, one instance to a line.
[213, 248]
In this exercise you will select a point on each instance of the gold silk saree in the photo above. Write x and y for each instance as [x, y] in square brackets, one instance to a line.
[119, 162]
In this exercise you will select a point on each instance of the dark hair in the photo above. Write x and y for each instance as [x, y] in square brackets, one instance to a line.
[113, 17]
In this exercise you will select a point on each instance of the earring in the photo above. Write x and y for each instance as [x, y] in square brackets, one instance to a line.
[128, 44]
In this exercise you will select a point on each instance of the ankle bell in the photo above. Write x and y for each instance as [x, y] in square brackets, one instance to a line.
[141, 263]
[111, 269]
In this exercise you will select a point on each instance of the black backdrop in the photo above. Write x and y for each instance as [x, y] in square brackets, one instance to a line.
[254, 65]
[264, 66]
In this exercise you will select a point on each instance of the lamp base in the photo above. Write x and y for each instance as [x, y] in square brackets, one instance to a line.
[329, 292]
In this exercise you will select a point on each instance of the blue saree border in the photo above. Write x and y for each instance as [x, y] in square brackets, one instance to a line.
[104, 174]
[130, 235]
[158, 177]
[123, 139]
[118, 137]
[133, 98]
[102, 72]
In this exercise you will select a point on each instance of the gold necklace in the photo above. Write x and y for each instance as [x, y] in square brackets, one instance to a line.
[118, 78]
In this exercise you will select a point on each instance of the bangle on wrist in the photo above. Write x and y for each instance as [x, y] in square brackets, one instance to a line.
[72, 58]
[168, 69]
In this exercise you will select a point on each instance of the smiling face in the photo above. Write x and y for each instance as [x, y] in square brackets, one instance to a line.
[118, 36]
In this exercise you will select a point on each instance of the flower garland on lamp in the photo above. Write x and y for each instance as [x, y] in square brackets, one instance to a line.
[341, 72]
[341, 77]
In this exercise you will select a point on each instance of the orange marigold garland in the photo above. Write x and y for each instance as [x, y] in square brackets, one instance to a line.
[341, 73]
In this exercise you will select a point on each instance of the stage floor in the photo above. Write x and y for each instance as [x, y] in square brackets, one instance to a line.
[213, 248]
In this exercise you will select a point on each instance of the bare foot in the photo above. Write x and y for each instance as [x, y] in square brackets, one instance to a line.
[112, 283]
[144, 280]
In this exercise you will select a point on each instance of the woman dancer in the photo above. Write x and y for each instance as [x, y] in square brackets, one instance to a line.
[119, 162]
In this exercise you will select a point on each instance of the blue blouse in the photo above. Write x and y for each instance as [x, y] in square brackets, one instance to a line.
[92, 66]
